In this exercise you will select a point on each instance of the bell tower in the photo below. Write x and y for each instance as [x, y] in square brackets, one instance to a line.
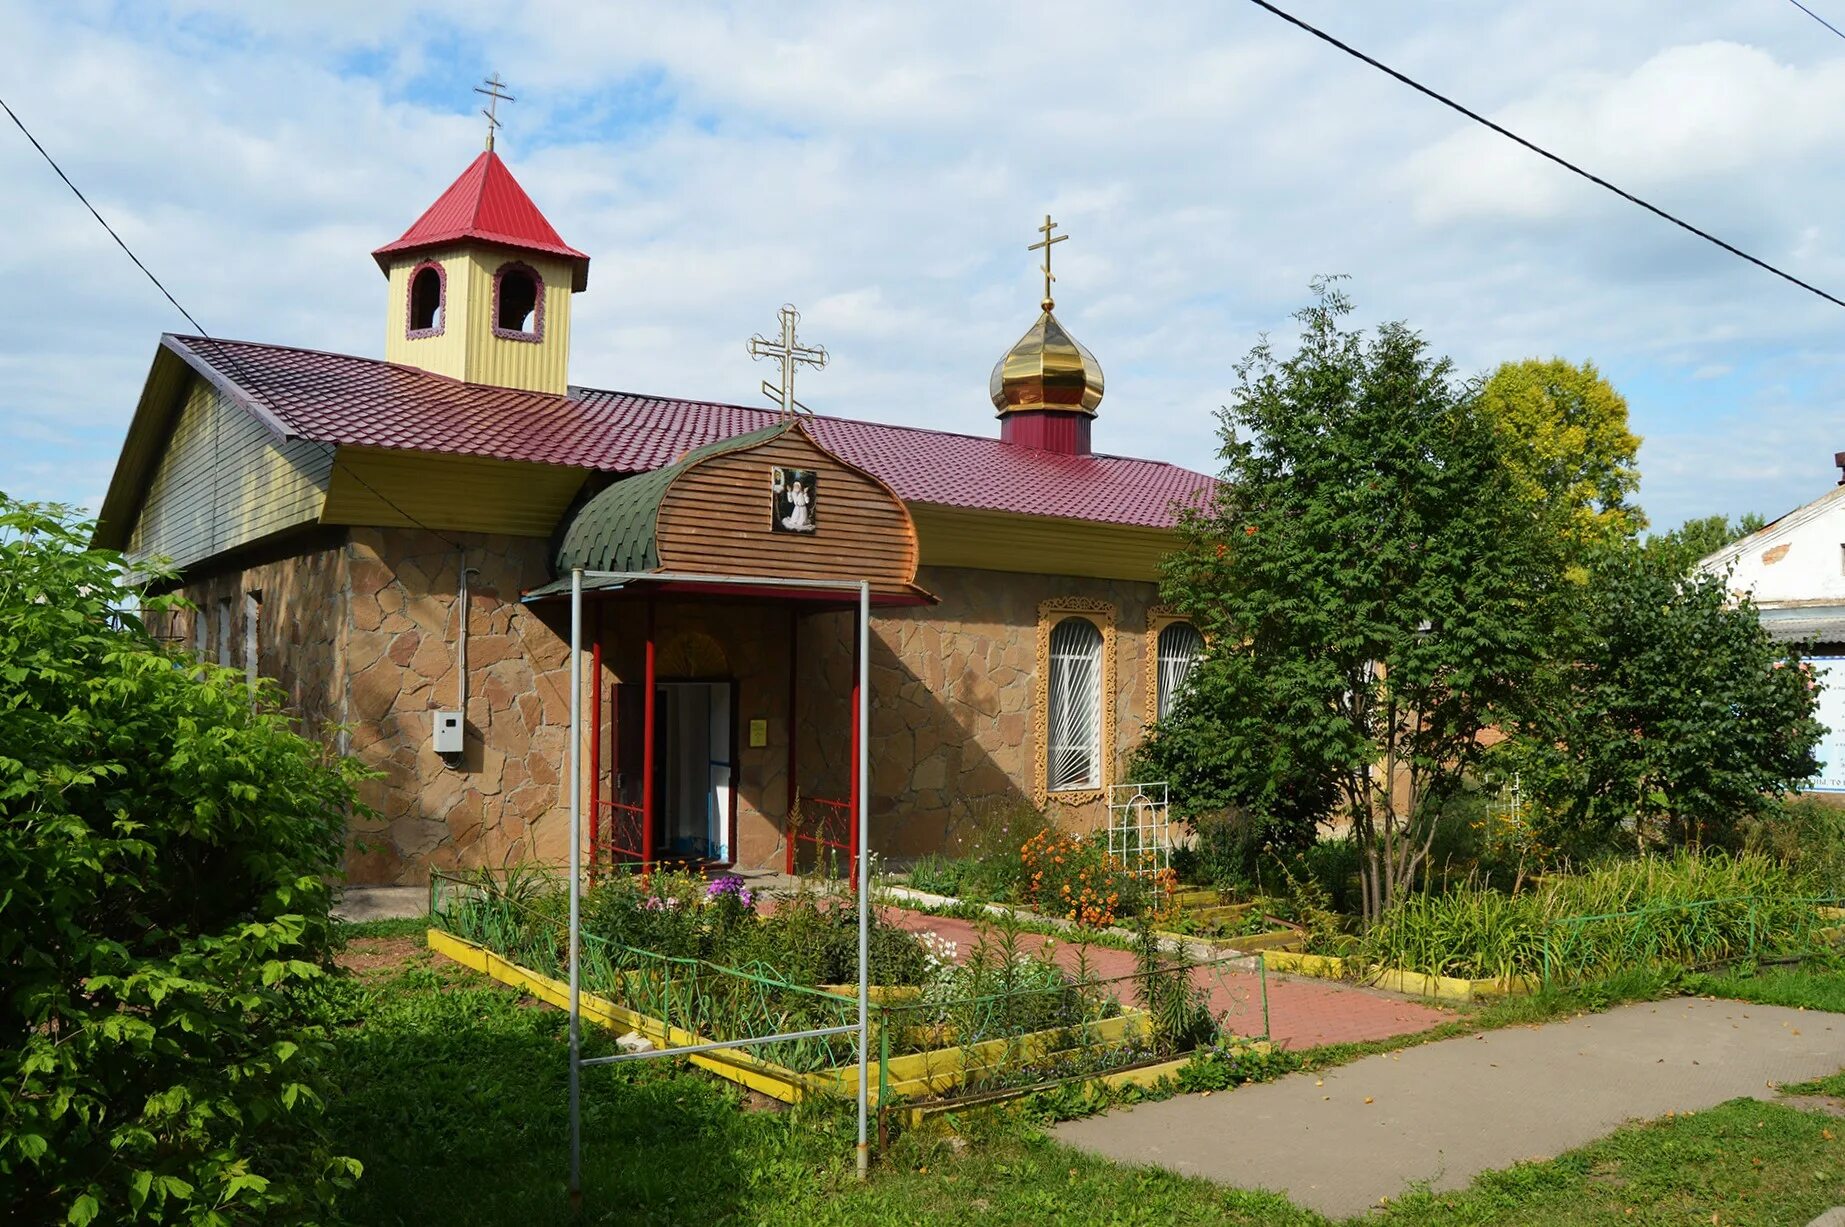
[480, 284]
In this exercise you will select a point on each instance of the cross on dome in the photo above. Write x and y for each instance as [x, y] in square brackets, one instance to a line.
[1045, 246]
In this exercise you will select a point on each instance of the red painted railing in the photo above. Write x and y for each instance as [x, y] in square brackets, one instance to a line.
[825, 824]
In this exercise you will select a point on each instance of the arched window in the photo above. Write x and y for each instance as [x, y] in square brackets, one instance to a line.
[1075, 709]
[1180, 645]
[428, 289]
[518, 303]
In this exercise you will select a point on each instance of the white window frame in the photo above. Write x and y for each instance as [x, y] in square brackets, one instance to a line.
[1172, 667]
[252, 634]
[1073, 706]
[224, 632]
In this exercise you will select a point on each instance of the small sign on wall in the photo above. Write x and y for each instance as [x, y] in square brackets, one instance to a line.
[793, 496]
[759, 734]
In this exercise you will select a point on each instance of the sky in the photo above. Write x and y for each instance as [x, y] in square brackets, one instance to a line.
[884, 166]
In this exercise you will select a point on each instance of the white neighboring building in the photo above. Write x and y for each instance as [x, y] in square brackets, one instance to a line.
[1795, 570]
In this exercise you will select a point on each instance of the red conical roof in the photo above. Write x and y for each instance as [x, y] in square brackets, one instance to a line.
[487, 204]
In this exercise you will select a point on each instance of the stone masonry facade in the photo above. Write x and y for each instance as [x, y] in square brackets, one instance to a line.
[362, 634]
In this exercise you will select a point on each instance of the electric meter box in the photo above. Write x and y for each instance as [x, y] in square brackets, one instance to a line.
[448, 732]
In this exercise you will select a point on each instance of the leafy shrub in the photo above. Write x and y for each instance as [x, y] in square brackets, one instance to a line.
[165, 846]
[982, 861]
[1074, 876]
[1807, 834]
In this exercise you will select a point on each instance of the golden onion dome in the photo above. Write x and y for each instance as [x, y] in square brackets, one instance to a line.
[1047, 369]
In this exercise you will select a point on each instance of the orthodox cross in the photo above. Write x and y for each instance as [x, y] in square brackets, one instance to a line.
[790, 353]
[1045, 246]
[494, 89]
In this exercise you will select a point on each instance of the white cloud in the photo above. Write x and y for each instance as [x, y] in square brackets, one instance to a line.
[883, 167]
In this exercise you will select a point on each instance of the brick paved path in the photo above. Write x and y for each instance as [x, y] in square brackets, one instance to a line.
[1303, 1013]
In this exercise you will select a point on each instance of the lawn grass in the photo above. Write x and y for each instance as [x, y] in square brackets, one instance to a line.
[1742, 1162]
[454, 1097]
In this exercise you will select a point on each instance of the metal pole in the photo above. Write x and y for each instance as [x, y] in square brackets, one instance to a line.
[595, 752]
[576, 885]
[794, 784]
[647, 743]
[864, 869]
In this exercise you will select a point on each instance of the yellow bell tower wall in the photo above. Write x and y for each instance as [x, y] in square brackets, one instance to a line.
[468, 345]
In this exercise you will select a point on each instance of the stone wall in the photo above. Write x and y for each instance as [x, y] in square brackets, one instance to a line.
[499, 803]
[955, 728]
[300, 607]
[362, 635]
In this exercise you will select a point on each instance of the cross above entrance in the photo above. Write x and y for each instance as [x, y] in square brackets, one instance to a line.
[789, 352]
[494, 89]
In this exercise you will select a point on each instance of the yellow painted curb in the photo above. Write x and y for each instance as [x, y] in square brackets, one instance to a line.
[1414, 983]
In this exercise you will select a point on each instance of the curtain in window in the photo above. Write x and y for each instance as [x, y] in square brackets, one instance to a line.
[1180, 645]
[1075, 759]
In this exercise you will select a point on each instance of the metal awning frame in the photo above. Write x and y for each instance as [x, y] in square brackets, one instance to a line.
[579, 579]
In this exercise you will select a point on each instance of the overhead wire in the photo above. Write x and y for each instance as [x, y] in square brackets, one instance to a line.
[223, 347]
[1565, 163]
[1816, 17]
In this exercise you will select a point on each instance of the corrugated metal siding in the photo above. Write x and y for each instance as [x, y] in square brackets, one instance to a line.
[449, 493]
[224, 480]
[448, 353]
[1041, 545]
[537, 366]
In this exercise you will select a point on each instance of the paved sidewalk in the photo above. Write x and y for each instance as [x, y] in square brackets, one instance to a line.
[1303, 1013]
[1446, 1111]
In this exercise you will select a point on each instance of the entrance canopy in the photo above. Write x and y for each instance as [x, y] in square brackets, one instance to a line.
[768, 505]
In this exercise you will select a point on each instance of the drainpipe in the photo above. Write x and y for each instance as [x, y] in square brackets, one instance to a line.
[461, 638]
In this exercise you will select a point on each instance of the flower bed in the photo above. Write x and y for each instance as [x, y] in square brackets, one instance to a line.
[983, 1021]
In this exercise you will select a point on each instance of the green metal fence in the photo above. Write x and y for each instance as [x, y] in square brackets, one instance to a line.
[998, 1019]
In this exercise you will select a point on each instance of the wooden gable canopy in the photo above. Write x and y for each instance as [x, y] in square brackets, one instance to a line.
[769, 504]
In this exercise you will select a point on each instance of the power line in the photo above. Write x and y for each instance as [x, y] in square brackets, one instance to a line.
[222, 347]
[1816, 17]
[1574, 169]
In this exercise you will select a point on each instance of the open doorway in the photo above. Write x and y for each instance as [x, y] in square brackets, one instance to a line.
[694, 757]
[693, 762]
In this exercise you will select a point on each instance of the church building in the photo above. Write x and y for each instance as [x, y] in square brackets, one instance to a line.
[391, 540]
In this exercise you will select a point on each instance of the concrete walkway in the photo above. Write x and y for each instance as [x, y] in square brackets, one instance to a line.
[1446, 1111]
[1303, 1013]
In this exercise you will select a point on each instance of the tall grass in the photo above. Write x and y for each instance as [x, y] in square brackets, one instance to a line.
[1688, 910]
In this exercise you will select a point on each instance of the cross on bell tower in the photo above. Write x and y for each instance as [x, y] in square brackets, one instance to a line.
[494, 88]
[790, 353]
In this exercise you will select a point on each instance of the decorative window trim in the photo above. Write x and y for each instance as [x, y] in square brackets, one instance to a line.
[417, 334]
[1051, 612]
[537, 332]
[1159, 617]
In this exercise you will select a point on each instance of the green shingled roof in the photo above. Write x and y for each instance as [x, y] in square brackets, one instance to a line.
[617, 529]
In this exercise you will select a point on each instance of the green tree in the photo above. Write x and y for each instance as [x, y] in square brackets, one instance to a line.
[1679, 722]
[166, 844]
[1374, 586]
[1567, 443]
[1677, 551]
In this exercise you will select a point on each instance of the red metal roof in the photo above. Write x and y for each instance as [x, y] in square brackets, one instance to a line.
[486, 203]
[342, 399]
